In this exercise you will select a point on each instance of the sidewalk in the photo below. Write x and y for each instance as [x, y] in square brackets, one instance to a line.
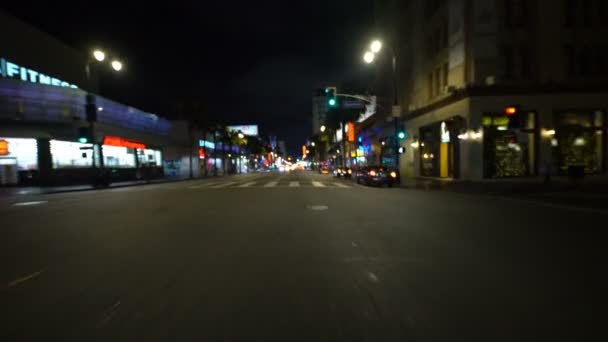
[588, 193]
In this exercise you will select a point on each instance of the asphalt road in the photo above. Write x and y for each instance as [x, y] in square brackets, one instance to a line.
[297, 257]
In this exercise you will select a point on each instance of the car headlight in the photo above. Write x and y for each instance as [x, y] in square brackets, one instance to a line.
[372, 173]
[394, 174]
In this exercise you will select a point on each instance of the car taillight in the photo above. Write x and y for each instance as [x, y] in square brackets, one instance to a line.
[372, 173]
[394, 174]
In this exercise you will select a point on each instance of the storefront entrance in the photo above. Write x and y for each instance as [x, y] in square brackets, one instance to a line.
[439, 149]
[579, 140]
[509, 148]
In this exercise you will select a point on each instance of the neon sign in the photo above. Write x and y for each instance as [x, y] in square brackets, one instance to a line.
[121, 142]
[9, 69]
[4, 148]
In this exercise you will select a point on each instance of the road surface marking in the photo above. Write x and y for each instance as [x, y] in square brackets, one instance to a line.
[246, 185]
[21, 280]
[372, 277]
[354, 244]
[318, 207]
[294, 184]
[25, 204]
[318, 184]
[201, 185]
[340, 185]
[222, 185]
[271, 184]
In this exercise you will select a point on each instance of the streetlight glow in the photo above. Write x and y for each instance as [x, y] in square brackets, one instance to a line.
[313, 144]
[369, 57]
[376, 46]
[323, 128]
[116, 65]
[241, 135]
[99, 55]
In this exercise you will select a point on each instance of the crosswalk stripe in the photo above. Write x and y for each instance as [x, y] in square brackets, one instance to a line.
[202, 185]
[270, 184]
[318, 184]
[294, 184]
[340, 185]
[246, 185]
[222, 185]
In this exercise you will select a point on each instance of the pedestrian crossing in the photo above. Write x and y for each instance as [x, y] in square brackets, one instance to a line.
[270, 184]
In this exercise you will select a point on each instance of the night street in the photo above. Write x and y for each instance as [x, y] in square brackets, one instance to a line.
[296, 257]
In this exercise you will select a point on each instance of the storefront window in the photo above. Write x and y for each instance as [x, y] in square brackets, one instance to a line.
[118, 157]
[22, 152]
[429, 151]
[149, 157]
[509, 150]
[68, 154]
[580, 141]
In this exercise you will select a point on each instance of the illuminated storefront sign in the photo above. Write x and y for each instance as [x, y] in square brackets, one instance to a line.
[117, 141]
[250, 130]
[495, 121]
[206, 144]
[201, 153]
[445, 134]
[4, 148]
[350, 129]
[9, 69]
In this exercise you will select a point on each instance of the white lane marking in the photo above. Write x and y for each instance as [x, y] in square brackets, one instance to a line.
[23, 279]
[318, 207]
[372, 277]
[340, 185]
[25, 204]
[354, 244]
[294, 184]
[318, 184]
[201, 185]
[222, 185]
[271, 184]
[246, 185]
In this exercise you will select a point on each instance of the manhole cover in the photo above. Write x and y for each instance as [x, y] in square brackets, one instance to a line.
[318, 207]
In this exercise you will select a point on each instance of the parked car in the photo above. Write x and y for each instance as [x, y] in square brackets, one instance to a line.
[377, 175]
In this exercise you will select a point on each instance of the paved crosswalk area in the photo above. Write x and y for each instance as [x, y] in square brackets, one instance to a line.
[248, 184]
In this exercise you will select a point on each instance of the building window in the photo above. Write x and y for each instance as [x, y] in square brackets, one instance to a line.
[22, 152]
[118, 157]
[579, 141]
[583, 62]
[430, 84]
[68, 154]
[445, 74]
[570, 61]
[517, 63]
[515, 13]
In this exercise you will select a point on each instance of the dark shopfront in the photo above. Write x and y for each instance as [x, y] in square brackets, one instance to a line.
[579, 141]
[510, 144]
[440, 149]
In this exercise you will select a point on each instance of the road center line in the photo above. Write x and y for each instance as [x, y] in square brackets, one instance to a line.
[26, 204]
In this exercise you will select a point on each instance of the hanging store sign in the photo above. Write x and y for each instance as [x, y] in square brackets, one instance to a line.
[4, 148]
[9, 69]
[206, 144]
[121, 142]
[495, 121]
[350, 129]
[445, 134]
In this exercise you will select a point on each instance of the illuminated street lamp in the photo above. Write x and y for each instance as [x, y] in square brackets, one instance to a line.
[99, 55]
[369, 57]
[376, 46]
[323, 128]
[116, 65]
[241, 135]
[313, 144]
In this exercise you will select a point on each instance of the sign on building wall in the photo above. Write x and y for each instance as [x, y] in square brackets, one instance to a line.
[12, 70]
[249, 130]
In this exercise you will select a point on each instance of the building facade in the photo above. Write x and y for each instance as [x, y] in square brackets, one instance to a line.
[504, 89]
[55, 130]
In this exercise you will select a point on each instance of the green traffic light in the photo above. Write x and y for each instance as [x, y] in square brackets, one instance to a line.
[401, 135]
[326, 90]
[83, 140]
[332, 102]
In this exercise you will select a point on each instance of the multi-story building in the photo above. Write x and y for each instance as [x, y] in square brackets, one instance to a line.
[504, 88]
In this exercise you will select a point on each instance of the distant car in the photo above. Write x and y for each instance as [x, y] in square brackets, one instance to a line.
[343, 172]
[377, 175]
[324, 170]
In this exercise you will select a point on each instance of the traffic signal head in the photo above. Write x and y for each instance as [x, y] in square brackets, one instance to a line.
[401, 135]
[84, 135]
[332, 102]
[332, 95]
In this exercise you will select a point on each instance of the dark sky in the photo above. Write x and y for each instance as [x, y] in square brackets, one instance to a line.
[250, 62]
